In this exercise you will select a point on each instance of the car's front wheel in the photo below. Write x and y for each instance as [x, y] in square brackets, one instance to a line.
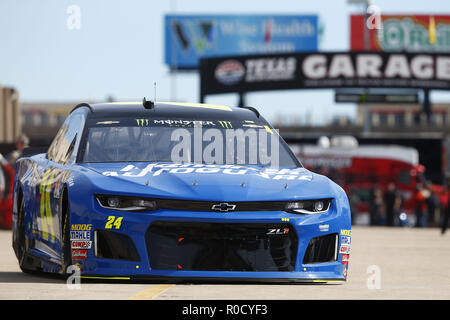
[66, 252]
[21, 238]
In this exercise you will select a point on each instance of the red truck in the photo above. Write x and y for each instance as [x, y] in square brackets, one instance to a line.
[362, 169]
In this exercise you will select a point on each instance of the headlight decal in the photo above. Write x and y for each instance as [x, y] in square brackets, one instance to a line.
[316, 206]
[124, 203]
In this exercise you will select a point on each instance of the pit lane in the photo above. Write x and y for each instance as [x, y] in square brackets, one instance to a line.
[385, 263]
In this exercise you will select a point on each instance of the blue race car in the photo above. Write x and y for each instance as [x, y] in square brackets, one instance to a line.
[180, 192]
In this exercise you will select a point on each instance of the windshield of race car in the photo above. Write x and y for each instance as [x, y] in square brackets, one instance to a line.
[243, 142]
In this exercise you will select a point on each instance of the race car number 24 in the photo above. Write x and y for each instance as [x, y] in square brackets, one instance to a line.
[114, 222]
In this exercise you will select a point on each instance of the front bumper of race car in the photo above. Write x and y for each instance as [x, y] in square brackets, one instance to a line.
[177, 245]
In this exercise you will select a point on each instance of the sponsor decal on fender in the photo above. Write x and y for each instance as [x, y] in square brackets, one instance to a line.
[80, 235]
[81, 244]
[346, 240]
[345, 271]
[81, 232]
[345, 258]
[344, 249]
[81, 227]
[79, 254]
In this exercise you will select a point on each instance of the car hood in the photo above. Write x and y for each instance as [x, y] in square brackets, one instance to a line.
[208, 182]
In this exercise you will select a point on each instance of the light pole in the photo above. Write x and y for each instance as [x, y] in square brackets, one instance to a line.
[366, 3]
[174, 62]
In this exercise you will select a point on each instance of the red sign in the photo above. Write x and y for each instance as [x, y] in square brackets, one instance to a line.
[345, 258]
[79, 254]
[412, 33]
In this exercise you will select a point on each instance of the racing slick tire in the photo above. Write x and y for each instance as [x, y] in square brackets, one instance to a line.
[66, 251]
[22, 247]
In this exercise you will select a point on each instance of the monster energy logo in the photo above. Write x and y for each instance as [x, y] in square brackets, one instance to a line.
[142, 122]
[226, 124]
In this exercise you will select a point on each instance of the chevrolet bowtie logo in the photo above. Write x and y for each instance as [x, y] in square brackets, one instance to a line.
[223, 207]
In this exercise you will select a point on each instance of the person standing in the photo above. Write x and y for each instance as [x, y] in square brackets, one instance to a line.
[445, 206]
[390, 197]
[21, 143]
[420, 206]
[398, 207]
[354, 200]
[376, 207]
[432, 202]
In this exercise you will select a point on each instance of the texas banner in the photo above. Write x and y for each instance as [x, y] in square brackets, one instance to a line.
[315, 70]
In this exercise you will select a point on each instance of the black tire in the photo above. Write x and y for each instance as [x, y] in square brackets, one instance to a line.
[22, 247]
[66, 252]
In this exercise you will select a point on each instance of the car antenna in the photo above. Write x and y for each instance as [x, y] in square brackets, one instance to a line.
[251, 109]
[148, 104]
[154, 87]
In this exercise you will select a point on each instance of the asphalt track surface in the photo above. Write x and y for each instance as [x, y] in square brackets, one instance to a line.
[385, 263]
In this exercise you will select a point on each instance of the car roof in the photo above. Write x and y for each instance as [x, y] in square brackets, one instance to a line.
[169, 110]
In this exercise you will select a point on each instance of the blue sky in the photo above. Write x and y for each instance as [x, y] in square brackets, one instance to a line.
[118, 50]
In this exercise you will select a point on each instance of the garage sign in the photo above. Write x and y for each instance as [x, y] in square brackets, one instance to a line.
[325, 70]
